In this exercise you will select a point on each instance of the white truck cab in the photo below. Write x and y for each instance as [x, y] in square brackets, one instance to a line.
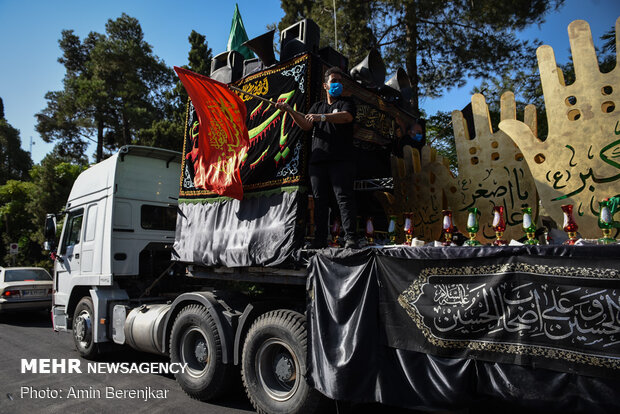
[119, 223]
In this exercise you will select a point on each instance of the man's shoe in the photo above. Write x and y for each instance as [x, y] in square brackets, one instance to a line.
[351, 244]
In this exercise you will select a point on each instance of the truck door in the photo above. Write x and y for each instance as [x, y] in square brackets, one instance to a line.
[69, 253]
[89, 241]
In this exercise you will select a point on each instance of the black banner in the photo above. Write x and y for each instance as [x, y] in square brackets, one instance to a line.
[392, 325]
[532, 309]
[267, 226]
[277, 154]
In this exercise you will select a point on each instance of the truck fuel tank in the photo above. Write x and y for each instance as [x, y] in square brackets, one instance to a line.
[142, 328]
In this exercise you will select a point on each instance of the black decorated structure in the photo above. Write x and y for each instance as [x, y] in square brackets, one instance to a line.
[537, 327]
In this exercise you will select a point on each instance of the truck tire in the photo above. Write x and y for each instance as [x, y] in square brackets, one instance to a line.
[195, 341]
[274, 365]
[83, 319]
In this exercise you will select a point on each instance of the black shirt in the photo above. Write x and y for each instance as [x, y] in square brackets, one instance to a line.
[332, 142]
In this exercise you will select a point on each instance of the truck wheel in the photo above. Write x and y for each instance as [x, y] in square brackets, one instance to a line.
[83, 319]
[274, 365]
[195, 341]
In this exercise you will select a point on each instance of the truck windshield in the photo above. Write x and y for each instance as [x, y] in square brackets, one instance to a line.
[20, 275]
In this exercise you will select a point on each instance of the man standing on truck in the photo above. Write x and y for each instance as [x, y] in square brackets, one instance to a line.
[331, 163]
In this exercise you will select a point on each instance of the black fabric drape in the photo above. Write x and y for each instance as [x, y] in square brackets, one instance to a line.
[344, 323]
[251, 232]
[349, 337]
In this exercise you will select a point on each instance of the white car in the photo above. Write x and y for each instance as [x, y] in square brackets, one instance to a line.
[25, 288]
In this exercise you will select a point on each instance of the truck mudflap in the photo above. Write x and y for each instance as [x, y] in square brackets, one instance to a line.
[59, 318]
[102, 297]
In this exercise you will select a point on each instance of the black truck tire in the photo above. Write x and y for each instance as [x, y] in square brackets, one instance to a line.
[195, 340]
[274, 365]
[83, 321]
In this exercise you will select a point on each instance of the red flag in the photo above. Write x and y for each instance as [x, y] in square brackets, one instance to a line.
[222, 135]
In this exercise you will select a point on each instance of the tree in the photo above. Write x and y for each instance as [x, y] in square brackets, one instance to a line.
[52, 180]
[16, 223]
[440, 44]
[441, 136]
[14, 161]
[200, 54]
[114, 86]
[24, 205]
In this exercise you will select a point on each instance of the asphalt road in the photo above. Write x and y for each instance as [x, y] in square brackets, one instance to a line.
[30, 336]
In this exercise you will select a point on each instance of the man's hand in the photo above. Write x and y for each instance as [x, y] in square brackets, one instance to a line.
[333, 118]
[313, 117]
[283, 106]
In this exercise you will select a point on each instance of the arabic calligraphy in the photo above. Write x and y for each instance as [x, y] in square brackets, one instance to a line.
[578, 162]
[500, 186]
[536, 307]
[512, 189]
[273, 137]
[373, 120]
[590, 317]
[259, 88]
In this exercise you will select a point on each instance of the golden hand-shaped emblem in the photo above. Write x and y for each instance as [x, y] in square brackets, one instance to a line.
[579, 162]
[491, 170]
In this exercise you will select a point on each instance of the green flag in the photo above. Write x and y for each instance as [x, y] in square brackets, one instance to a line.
[238, 35]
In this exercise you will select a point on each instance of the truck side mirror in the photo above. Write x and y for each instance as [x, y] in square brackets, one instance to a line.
[50, 232]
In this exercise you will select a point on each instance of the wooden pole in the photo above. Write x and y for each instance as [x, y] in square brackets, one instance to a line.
[234, 88]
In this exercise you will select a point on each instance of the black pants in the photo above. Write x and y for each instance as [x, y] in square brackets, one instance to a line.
[336, 176]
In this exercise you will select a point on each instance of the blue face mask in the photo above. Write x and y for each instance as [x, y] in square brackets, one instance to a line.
[418, 137]
[335, 89]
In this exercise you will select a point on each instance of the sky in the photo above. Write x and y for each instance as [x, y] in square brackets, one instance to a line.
[30, 29]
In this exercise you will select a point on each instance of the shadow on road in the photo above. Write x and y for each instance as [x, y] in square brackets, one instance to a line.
[235, 398]
[41, 319]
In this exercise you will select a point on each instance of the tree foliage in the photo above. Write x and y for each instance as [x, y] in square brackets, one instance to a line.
[14, 161]
[114, 86]
[24, 205]
[440, 136]
[440, 44]
[52, 179]
[16, 223]
[200, 54]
